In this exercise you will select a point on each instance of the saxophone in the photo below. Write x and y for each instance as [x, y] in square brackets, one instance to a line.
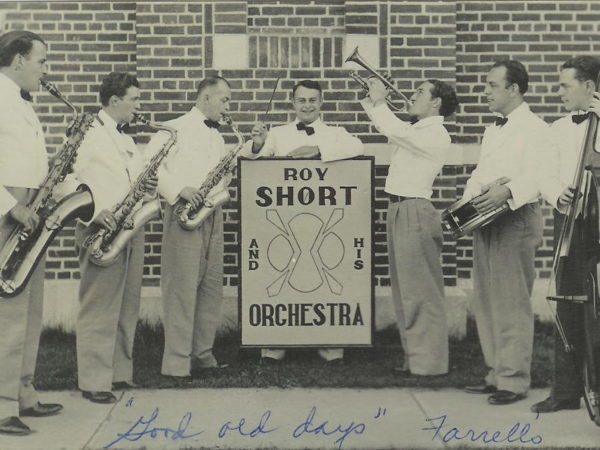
[190, 218]
[23, 250]
[106, 245]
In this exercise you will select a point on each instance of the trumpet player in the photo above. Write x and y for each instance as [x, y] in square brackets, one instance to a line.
[192, 260]
[307, 136]
[109, 297]
[24, 167]
[504, 250]
[413, 224]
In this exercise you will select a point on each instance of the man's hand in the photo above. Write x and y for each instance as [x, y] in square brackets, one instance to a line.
[501, 180]
[495, 196]
[191, 195]
[595, 104]
[106, 219]
[306, 151]
[25, 216]
[377, 91]
[150, 185]
[259, 136]
[566, 197]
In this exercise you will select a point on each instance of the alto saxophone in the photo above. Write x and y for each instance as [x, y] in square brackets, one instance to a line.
[189, 217]
[106, 245]
[23, 250]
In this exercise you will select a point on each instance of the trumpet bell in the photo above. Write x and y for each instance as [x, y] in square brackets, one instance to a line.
[356, 57]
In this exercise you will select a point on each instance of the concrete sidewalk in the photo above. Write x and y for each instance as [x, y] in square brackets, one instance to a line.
[302, 418]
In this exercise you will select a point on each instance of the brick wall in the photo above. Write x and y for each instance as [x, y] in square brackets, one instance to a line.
[85, 42]
[172, 45]
[540, 34]
[291, 40]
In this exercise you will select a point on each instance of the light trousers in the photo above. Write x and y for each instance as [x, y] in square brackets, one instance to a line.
[192, 292]
[20, 328]
[414, 248]
[503, 272]
[109, 299]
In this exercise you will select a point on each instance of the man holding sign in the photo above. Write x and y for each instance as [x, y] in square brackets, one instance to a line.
[307, 136]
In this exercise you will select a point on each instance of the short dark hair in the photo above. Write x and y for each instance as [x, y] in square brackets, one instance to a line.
[515, 73]
[447, 94]
[116, 83]
[14, 43]
[309, 84]
[586, 67]
[210, 81]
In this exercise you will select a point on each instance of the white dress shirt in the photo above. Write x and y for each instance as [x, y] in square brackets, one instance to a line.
[108, 162]
[420, 150]
[513, 150]
[558, 168]
[23, 157]
[334, 143]
[197, 151]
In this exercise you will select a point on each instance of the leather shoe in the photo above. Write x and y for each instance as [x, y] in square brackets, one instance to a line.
[480, 389]
[550, 405]
[41, 410]
[123, 385]
[99, 396]
[13, 426]
[504, 398]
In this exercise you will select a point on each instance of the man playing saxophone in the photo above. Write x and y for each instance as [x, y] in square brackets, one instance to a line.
[108, 162]
[192, 260]
[306, 136]
[23, 166]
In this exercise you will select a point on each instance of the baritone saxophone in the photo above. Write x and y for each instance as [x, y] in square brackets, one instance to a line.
[23, 249]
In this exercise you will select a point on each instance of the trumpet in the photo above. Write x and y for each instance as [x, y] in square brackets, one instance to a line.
[358, 59]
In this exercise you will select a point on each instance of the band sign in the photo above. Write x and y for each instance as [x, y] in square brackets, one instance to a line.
[305, 252]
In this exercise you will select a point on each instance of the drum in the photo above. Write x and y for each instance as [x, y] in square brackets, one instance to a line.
[462, 218]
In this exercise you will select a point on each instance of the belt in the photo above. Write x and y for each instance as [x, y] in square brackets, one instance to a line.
[399, 198]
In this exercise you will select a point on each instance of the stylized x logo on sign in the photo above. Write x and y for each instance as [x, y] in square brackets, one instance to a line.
[305, 252]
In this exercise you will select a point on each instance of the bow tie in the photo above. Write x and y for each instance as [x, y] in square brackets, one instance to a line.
[301, 126]
[123, 128]
[578, 118]
[501, 121]
[212, 124]
[413, 120]
[26, 95]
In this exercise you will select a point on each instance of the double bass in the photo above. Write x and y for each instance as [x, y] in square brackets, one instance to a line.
[578, 250]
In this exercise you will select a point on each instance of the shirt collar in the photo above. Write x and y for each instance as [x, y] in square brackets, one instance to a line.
[519, 112]
[315, 124]
[427, 121]
[10, 84]
[107, 120]
[577, 112]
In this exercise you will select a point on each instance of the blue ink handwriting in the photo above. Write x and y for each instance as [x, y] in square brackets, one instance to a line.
[309, 427]
[380, 412]
[518, 433]
[239, 427]
[141, 428]
[129, 402]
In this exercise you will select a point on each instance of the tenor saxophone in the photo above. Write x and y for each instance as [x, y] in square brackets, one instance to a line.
[23, 250]
[190, 217]
[105, 245]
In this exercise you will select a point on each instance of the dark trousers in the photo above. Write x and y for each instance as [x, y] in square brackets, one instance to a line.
[567, 383]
